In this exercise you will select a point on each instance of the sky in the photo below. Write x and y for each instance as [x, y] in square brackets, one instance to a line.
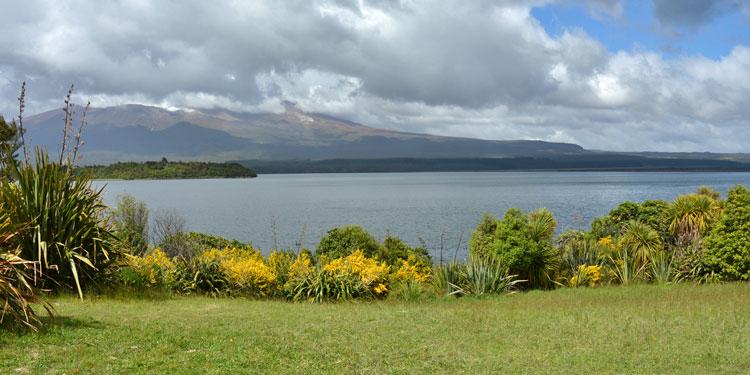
[641, 75]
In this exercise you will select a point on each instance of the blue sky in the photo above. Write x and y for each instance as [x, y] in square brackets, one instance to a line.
[638, 28]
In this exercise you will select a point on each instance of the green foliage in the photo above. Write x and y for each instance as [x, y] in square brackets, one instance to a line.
[476, 277]
[650, 212]
[17, 294]
[201, 277]
[410, 291]
[640, 240]
[205, 241]
[482, 241]
[727, 246]
[67, 232]
[691, 216]
[342, 241]
[9, 144]
[523, 245]
[167, 170]
[394, 250]
[130, 218]
[321, 286]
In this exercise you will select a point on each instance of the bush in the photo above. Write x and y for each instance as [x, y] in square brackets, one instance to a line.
[67, 231]
[476, 277]
[414, 269]
[727, 247]
[394, 251]
[131, 223]
[343, 241]
[344, 278]
[205, 241]
[153, 270]
[522, 244]
[482, 241]
[244, 269]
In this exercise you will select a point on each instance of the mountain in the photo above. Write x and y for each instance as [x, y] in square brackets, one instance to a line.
[136, 133]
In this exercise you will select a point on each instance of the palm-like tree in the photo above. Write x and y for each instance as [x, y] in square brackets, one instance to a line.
[641, 241]
[691, 215]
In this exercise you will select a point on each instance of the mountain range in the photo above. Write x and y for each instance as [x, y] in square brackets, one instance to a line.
[269, 140]
[137, 132]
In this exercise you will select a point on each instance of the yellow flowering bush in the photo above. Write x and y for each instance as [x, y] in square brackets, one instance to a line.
[244, 268]
[415, 269]
[154, 269]
[370, 272]
[301, 267]
[586, 275]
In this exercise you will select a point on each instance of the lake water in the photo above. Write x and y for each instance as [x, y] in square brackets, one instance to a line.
[297, 209]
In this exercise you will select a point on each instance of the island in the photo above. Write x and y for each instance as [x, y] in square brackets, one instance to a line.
[165, 169]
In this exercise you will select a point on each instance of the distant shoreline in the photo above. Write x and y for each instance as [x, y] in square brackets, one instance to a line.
[566, 163]
[166, 170]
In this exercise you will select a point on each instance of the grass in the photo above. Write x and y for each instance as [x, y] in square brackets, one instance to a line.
[637, 329]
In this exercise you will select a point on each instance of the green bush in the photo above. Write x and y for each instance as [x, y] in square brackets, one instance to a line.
[482, 241]
[67, 232]
[394, 250]
[342, 241]
[522, 244]
[130, 218]
[475, 277]
[727, 246]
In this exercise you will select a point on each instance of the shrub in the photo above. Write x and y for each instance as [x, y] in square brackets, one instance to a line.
[68, 233]
[344, 278]
[205, 241]
[727, 246]
[409, 291]
[394, 251]
[476, 277]
[691, 216]
[131, 223]
[281, 263]
[343, 241]
[371, 273]
[244, 269]
[153, 270]
[17, 294]
[586, 275]
[641, 240]
[523, 245]
[414, 269]
[482, 241]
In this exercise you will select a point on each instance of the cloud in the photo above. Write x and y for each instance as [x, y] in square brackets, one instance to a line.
[692, 14]
[482, 68]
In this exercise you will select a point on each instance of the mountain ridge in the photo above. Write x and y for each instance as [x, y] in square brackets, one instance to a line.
[137, 132]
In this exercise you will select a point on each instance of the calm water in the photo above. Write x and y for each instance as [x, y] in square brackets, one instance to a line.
[298, 208]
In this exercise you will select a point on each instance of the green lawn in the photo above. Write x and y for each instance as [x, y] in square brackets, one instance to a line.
[643, 329]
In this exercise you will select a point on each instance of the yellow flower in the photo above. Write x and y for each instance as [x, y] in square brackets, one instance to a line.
[155, 267]
[301, 267]
[380, 288]
[357, 264]
[586, 275]
[414, 269]
[244, 267]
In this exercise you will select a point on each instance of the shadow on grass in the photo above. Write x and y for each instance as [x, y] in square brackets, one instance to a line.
[51, 325]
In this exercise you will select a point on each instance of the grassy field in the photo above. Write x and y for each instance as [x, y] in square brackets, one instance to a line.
[641, 329]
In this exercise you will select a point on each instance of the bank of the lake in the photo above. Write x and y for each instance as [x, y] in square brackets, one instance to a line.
[639, 329]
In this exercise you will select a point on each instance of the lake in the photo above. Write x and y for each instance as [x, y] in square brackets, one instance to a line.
[295, 210]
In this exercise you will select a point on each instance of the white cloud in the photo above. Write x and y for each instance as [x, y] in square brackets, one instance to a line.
[482, 68]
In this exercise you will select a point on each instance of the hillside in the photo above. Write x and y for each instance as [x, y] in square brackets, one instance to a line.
[139, 133]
